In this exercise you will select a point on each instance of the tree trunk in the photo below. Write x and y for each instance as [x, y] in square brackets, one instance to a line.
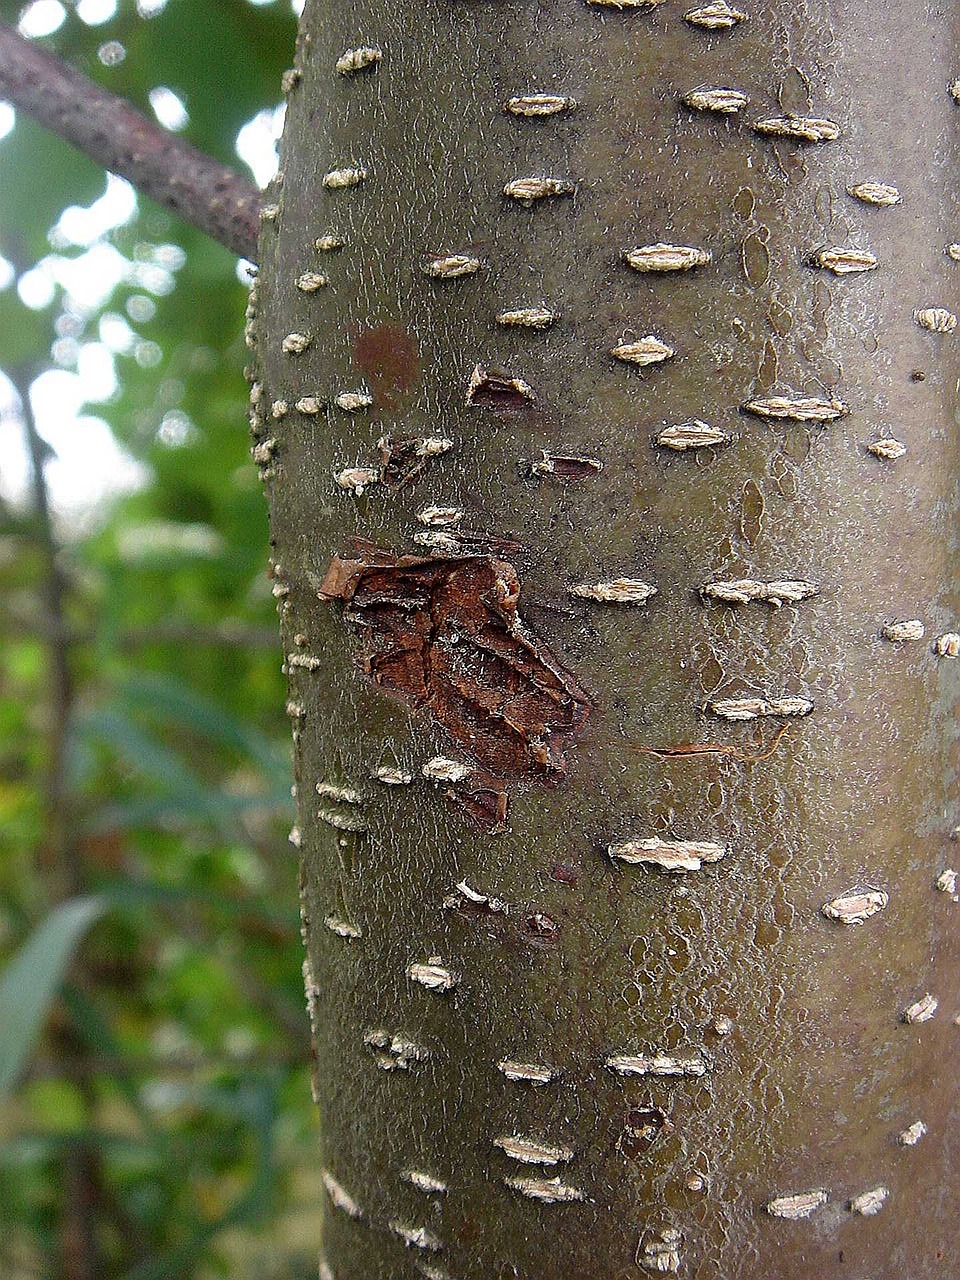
[639, 976]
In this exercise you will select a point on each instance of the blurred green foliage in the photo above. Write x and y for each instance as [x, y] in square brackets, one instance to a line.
[164, 1108]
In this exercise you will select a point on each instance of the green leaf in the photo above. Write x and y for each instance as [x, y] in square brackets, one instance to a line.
[32, 978]
[173, 700]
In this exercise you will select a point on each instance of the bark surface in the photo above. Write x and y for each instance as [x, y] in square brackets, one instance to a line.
[631, 1041]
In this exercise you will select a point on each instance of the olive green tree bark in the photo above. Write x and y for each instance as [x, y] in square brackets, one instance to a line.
[630, 917]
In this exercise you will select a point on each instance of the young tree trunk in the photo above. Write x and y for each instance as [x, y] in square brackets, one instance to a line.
[652, 986]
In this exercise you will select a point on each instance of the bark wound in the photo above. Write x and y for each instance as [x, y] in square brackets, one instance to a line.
[444, 636]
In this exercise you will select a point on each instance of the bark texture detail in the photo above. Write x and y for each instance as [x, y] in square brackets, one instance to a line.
[713, 966]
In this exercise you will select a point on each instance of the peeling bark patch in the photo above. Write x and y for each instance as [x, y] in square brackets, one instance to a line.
[641, 1128]
[796, 408]
[844, 262]
[921, 1010]
[416, 1237]
[745, 590]
[670, 855]
[433, 975]
[390, 359]
[403, 458]
[753, 708]
[947, 645]
[530, 190]
[869, 1202]
[537, 105]
[527, 318]
[662, 257]
[497, 389]
[661, 1253]
[444, 636]
[647, 350]
[361, 59]
[565, 466]
[719, 16]
[547, 1190]
[910, 1136]
[394, 1052]
[798, 128]
[690, 435]
[527, 1072]
[725, 101]
[657, 1064]
[425, 1182]
[905, 629]
[615, 591]
[530, 1151]
[881, 194]
[486, 806]
[800, 1205]
[340, 1198]
[936, 319]
[855, 907]
[887, 448]
[538, 925]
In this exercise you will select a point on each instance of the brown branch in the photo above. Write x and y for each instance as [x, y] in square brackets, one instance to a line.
[203, 192]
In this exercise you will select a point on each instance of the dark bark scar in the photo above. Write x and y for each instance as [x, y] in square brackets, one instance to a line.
[443, 636]
[390, 358]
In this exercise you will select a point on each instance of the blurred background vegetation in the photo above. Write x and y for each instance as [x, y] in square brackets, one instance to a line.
[155, 1115]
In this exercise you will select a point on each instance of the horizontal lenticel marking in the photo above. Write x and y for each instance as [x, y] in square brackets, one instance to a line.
[718, 16]
[800, 1205]
[670, 855]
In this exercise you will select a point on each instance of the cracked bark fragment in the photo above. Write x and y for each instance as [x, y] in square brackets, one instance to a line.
[443, 636]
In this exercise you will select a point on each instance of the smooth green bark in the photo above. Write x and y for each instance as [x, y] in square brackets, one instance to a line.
[810, 1071]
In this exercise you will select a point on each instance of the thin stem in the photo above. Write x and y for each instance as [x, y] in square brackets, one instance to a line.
[60, 849]
[81, 1177]
[203, 192]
